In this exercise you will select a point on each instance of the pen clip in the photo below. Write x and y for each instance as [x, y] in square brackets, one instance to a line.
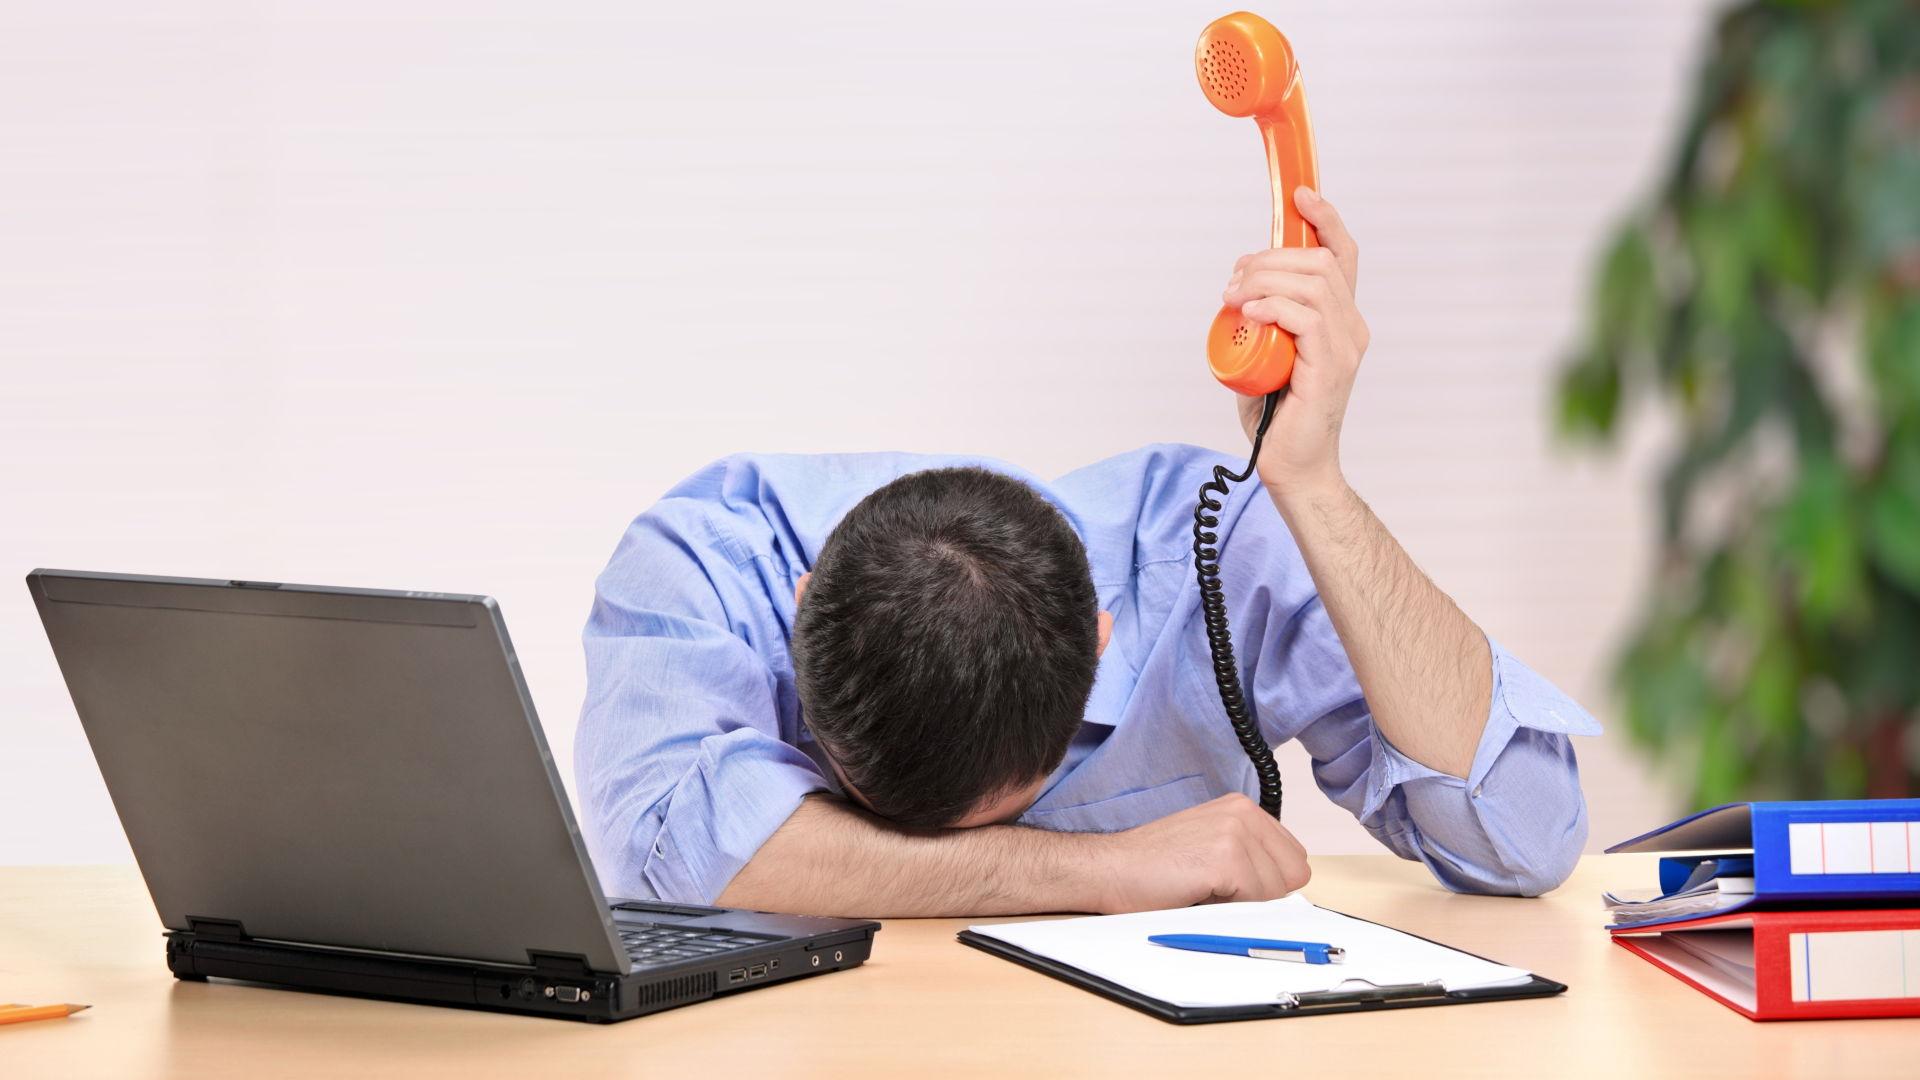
[1312, 954]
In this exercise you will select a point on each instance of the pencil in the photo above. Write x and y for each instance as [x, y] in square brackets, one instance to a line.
[20, 1014]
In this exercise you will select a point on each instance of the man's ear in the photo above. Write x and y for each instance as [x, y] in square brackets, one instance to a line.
[800, 587]
[1105, 621]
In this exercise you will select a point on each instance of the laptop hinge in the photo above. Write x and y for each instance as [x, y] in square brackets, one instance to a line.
[555, 963]
[216, 929]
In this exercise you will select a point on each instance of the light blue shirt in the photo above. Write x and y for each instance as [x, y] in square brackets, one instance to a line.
[691, 750]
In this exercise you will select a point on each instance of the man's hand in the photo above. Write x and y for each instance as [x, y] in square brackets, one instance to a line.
[1307, 292]
[1227, 849]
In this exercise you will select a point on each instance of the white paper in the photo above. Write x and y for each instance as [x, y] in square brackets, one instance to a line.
[1734, 984]
[1728, 950]
[1729, 943]
[1115, 948]
[1707, 900]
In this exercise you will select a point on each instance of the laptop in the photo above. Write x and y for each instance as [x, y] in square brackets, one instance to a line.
[347, 790]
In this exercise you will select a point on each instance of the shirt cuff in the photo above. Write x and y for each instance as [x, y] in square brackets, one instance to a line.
[1521, 699]
[742, 788]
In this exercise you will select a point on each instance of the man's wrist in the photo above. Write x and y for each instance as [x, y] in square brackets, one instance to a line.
[1081, 870]
[1297, 491]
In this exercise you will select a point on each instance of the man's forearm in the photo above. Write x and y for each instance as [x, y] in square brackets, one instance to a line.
[1424, 666]
[830, 858]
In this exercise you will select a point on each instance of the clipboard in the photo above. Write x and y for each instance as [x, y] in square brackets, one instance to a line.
[1412, 996]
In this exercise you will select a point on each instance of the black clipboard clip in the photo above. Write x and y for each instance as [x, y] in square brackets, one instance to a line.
[1369, 994]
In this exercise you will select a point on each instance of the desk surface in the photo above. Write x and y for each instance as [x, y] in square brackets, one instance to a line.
[924, 1005]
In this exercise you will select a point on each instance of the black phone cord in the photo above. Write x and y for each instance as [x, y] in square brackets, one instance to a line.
[1213, 606]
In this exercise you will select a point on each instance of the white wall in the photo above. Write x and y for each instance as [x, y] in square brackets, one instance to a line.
[439, 300]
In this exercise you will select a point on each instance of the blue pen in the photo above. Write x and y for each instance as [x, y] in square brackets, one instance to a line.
[1300, 952]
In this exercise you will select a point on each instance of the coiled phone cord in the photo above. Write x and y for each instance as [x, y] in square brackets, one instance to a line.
[1213, 606]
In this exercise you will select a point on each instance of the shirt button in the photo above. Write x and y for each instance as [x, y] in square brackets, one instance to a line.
[1476, 790]
[659, 850]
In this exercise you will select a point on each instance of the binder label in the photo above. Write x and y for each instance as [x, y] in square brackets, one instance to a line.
[1855, 965]
[1853, 847]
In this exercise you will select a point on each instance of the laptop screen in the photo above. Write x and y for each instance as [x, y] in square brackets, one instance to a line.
[328, 766]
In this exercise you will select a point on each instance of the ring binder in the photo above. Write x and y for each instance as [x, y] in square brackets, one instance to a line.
[1797, 964]
[1848, 852]
[1786, 910]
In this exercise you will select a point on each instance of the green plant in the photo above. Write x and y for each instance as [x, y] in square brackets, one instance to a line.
[1769, 293]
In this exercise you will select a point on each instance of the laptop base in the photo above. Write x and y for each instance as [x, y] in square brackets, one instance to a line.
[554, 988]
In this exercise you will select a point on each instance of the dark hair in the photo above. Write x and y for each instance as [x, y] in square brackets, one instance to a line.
[946, 644]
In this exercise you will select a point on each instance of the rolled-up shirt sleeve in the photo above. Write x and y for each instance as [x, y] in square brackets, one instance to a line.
[682, 767]
[1516, 824]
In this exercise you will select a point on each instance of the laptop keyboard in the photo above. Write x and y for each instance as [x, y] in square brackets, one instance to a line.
[658, 946]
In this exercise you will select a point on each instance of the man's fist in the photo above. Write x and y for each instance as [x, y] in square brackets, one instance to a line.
[1307, 292]
[1227, 849]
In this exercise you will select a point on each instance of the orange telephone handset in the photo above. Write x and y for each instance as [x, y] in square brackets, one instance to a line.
[1246, 68]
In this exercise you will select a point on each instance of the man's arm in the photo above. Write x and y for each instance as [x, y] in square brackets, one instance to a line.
[1469, 768]
[833, 858]
[1424, 666]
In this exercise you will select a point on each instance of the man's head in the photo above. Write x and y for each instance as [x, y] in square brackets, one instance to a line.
[945, 646]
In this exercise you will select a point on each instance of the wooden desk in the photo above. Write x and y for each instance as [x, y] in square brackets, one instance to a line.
[924, 1006]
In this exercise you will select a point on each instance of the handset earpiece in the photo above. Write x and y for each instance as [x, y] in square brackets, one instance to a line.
[1247, 68]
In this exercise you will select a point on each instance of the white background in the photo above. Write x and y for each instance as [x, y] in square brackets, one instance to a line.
[441, 299]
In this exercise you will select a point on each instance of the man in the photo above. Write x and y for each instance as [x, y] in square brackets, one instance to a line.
[893, 685]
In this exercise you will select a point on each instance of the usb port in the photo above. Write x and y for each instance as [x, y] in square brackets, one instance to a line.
[737, 975]
[568, 994]
[757, 971]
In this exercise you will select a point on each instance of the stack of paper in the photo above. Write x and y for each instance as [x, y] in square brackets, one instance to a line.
[1716, 883]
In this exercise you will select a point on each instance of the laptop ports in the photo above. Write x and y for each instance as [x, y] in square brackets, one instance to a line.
[757, 971]
[737, 975]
